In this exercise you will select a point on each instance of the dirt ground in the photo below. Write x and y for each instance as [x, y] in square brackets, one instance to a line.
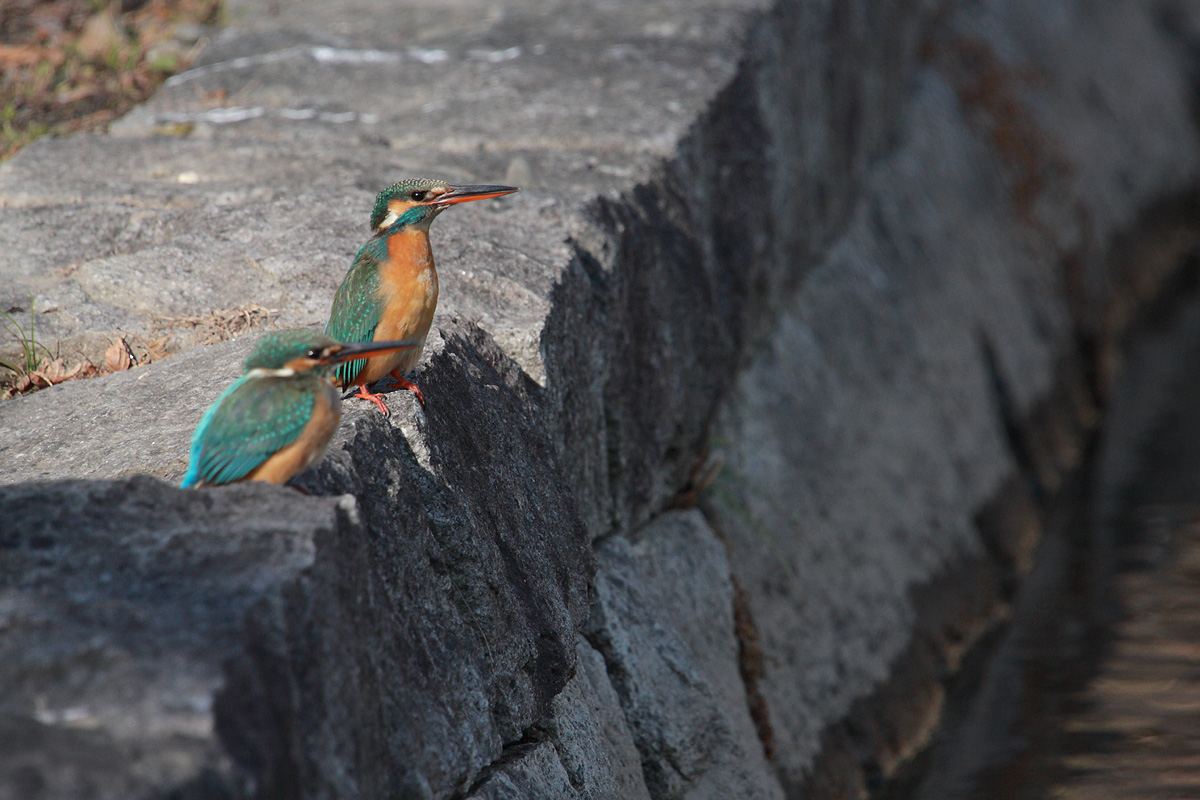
[70, 65]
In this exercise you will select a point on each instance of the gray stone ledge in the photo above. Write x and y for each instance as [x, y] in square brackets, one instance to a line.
[791, 237]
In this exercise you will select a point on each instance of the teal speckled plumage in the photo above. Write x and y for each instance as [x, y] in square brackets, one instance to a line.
[285, 388]
[357, 305]
[277, 348]
[391, 287]
[232, 440]
[396, 191]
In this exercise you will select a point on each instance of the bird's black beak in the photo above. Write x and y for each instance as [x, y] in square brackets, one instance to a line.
[349, 352]
[465, 194]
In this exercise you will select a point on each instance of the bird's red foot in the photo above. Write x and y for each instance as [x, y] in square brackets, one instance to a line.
[377, 399]
[405, 383]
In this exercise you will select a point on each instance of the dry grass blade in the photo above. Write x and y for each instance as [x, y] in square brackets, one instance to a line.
[220, 325]
[131, 350]
[47, 373]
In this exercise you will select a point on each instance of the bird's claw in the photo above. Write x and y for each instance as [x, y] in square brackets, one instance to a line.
[405, 383]
[377, 399]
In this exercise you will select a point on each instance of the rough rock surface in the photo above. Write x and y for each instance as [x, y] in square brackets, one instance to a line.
[918, 345]
[137, 421]
[663, 619]
[401, 628]
[118, 656]
[863, 256]
[295, 122]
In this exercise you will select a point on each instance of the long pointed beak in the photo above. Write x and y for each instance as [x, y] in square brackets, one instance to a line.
[465, 194]
[349, 352]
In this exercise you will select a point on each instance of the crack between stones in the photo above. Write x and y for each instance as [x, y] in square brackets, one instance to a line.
[576, 783]
[1042, 487]
[509, 753]
[751, 659]
[1008, 414]
[1022, 442]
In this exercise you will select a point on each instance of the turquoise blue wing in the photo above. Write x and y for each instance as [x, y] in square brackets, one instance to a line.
[255, 418]
[357, 306]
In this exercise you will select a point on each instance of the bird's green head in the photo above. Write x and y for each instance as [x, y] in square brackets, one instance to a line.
[301, 350]
[416, 201]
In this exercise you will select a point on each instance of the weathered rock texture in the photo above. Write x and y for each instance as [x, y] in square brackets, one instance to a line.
[393, 648]
[864, 256]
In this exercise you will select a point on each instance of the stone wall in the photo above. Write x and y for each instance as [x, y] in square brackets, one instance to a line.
[866, 264]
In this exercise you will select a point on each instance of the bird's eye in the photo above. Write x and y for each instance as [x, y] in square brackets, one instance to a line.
[313, 353]
[418, 196]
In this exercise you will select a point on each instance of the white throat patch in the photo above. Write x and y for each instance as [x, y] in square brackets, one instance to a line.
[391, 217]
[263, 372]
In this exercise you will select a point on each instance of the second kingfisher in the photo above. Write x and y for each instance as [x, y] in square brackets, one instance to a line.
[276, 419]
[391, 289]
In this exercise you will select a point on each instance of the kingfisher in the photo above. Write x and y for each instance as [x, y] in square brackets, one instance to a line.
[278, 417]
[391, 290]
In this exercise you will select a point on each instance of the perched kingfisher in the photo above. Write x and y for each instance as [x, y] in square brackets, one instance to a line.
[277, 418]
[391, 289]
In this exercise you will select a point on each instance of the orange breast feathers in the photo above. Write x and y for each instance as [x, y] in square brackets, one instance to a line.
[309, 445]
[408, 285]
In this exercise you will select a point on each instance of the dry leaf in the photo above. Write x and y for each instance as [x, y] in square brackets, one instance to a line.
[116, 358]
[56, 371]
[27, 55]
[100, 36]
[156, 349]
[76, 94]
